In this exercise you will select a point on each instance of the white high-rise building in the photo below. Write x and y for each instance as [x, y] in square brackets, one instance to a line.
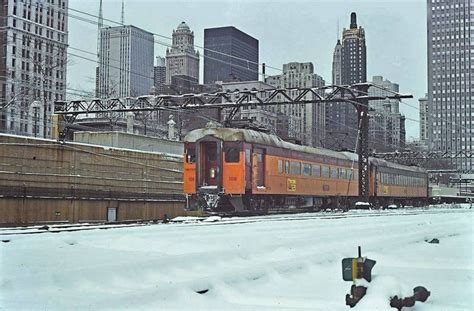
[450, 79]
[33, 62]
[125, 62]
[182, 60]
[387, 125]
[381, 103]
[306, 122]
[423, 119]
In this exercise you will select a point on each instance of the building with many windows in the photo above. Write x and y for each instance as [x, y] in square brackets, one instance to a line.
[263, 116]
[386, 124]
[349, 67]
[159, 74]
[33, 62]
[229, 55]
[450, 79]
[305, 122]
[182, 60]
[125, 61]
[423, 106]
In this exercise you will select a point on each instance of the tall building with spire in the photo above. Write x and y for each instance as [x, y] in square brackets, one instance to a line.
[122, 16]
[450, 79]
[349, 67]
[182, 60]
[337, 64]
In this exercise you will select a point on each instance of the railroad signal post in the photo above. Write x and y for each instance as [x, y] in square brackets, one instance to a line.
[354, 269]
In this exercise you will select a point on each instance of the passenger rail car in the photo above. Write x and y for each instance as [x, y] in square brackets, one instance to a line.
[243, 170]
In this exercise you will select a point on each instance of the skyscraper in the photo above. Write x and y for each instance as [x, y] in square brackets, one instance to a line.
[349, 67]
[337, 64]
[182, 60]
[424, 119]
[450, 78]
[387, 124]
[125, 62]
[230, 55]
[306, 122]
[33, 63]
[159, 74]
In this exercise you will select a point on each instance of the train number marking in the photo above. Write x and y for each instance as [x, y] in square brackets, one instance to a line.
[291, 185]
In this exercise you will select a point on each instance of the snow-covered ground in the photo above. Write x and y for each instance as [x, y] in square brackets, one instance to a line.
[279, 262]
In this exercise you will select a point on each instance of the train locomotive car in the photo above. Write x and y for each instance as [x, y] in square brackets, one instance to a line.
[242, 170]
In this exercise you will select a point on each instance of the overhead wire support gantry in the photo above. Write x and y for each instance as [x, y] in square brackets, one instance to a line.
[356, 94]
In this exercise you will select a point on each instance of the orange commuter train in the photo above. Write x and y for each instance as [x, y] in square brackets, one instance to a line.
[242, 170]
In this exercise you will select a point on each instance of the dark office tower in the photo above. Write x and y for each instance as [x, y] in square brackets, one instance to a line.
[159, 74]
[450, 79]
[354, 59]
[349, 67]
[229, 55]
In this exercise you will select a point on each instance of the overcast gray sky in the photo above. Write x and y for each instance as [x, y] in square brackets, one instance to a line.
[302, 31]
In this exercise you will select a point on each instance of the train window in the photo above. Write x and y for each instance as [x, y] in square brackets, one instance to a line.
[306, 169]
[342, 173]
[232, 154]
[324, 171]
[191, 155]
[350, 174]
[280, 166]
[316, 170]
[295, 168]
[333, 172]
[287, 167]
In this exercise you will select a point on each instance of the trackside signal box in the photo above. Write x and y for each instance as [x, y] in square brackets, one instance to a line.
[357, 268]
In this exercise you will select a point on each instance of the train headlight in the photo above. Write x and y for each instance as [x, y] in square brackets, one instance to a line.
[213, 173]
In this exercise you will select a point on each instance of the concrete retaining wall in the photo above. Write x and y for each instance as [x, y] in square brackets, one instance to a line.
[46, 181]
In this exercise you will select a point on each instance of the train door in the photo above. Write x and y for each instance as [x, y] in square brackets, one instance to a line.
[210, 161]
[248, 166]
[259, 167]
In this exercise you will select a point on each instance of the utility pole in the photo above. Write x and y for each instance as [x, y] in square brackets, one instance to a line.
[362, 107]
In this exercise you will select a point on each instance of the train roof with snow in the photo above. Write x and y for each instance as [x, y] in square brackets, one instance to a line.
[261, 138]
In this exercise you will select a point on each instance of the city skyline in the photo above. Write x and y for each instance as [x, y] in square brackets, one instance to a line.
[395, 30]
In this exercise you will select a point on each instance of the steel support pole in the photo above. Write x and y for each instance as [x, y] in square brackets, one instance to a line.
[363, 143]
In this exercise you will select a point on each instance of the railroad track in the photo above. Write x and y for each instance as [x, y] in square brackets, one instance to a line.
[4, 232]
